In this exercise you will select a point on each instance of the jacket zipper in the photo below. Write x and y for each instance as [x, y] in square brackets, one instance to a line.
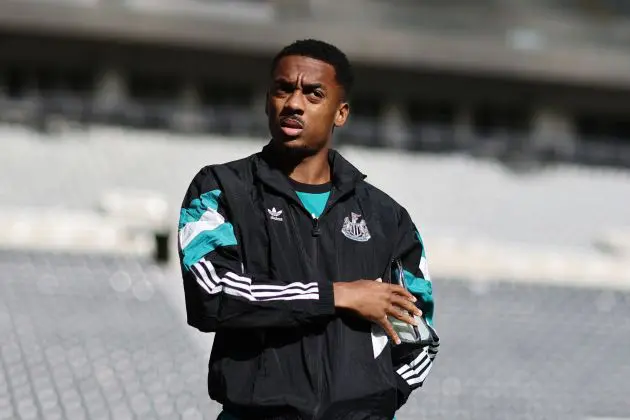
[316, 233]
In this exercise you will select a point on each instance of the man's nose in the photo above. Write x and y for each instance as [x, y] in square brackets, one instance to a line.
[295, 102]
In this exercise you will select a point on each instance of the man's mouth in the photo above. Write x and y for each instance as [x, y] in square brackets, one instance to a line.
[292, 126]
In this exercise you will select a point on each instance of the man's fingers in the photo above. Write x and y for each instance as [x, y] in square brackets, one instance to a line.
[399, 290]
[387, 326]
[406, 305]
[402, 315]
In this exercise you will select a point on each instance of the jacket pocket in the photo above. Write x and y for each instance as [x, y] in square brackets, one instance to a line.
[234, 365]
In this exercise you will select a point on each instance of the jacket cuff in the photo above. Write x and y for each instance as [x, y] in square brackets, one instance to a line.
[403, 391]
[326, 302]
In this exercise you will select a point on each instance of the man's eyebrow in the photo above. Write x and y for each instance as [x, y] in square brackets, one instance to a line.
[314, 85]
[285, 81]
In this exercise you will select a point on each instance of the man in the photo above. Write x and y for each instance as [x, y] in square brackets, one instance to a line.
[280, 252]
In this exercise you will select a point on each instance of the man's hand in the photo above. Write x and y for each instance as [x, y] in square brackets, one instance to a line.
[375, 301]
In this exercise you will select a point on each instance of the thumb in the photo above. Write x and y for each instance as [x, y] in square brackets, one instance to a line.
[380, 280]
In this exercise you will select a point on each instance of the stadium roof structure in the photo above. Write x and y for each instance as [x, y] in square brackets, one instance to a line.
[520, 54]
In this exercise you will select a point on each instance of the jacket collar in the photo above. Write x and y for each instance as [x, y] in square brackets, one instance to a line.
[344, 175]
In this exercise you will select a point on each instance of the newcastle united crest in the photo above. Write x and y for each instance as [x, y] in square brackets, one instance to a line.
[355, 230]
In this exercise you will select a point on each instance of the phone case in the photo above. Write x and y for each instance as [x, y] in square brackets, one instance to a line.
[420, 334]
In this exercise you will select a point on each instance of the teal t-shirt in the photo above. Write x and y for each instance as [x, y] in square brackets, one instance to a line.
[313, 197]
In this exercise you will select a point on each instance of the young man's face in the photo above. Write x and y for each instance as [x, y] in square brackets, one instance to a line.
[304, 103]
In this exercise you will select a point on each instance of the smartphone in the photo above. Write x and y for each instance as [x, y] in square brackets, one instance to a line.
[422, 333]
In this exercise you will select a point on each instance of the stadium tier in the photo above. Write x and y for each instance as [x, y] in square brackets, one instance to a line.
[105, 338]
[524, 82]
[559, 206]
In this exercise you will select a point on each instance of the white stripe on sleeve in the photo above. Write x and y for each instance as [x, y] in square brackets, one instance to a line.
[416, 371]
[236, 285]
[421, 378]
[209, 220]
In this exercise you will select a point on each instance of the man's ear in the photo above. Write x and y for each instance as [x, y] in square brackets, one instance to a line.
[342, 114]
[267, 103]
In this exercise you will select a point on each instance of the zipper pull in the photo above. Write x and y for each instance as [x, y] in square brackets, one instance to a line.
[316, 231]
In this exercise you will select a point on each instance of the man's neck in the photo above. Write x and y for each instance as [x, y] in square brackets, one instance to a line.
[314, 170]
[304, 168]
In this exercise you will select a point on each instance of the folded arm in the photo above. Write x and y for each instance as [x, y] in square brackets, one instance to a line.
[412, 363]
[219, 292]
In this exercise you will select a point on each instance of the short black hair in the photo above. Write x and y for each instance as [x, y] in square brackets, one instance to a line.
[323, 51]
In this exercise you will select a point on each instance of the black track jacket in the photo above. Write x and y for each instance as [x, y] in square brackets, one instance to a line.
[258, 270]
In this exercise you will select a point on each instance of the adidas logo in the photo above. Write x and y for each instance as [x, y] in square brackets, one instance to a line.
[275, 214]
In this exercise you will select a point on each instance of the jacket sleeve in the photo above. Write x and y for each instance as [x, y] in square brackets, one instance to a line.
[219, 294]
[412, 363]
